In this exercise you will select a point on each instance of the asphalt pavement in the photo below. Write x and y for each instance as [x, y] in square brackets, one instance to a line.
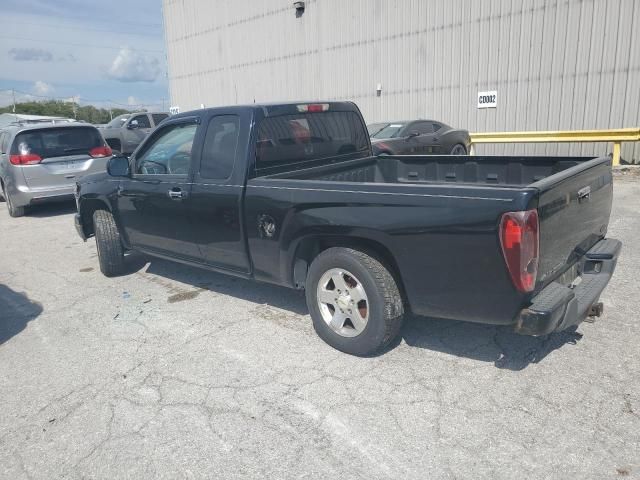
[173, 372]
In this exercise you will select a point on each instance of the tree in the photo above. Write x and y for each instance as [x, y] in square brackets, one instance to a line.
[57, 108]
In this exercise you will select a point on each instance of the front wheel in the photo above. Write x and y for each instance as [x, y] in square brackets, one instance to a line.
[354, 301]
[110, 250]
[458, 149]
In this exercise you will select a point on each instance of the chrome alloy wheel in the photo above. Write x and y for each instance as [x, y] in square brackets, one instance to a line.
[343, 302]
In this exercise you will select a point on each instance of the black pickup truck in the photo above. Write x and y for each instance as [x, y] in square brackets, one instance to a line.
[290, 194]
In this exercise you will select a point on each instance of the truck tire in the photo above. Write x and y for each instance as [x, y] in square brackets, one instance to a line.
[110, 250]
[13, 210]
[354, 301]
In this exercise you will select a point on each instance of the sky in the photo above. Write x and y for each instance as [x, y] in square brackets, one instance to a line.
[107, 53]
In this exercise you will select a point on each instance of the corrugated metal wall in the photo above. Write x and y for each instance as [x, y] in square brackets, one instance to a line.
[556, 64]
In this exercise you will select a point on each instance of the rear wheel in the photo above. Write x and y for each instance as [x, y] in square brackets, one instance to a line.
[13, 210]
[110, 249]
[458, 149]
[354, 301]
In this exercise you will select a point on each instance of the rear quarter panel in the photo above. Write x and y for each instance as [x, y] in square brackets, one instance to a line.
[443, 238]
[451, 137]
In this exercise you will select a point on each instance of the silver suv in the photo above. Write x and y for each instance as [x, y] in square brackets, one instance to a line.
[41, 162]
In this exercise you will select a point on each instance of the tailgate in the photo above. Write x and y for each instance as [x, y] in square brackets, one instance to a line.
[574, 208]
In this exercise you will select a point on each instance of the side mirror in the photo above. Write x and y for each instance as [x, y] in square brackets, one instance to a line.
[132, 125]
[118, 166]
[412, 134]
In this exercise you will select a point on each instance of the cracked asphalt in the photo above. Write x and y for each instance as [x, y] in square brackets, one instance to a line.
[173, 372]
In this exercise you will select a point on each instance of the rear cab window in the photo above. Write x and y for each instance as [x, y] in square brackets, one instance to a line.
[57, 142]
[299, 138]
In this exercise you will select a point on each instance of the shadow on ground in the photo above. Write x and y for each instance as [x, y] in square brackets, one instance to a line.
[261, 293]
[487, 343]
[51, 209]
[16, 310]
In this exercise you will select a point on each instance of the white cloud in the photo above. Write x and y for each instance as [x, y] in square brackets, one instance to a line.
[30, 55]
[132, 66]
[131, 100]
[42, 88]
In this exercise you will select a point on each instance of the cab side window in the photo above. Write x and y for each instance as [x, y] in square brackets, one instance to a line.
[422, 128]
[220, 147]
[169, 152]
[143, 121]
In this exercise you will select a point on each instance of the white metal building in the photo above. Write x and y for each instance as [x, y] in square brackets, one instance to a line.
[553, 64]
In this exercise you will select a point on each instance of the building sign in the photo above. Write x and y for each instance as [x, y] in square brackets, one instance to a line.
[174, 110]
[488, 99]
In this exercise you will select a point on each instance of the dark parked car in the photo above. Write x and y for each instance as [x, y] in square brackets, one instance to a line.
[374, 128]
[291, 194]
[125, 132]
[418, 137]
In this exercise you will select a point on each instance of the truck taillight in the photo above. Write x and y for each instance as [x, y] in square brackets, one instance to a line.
[520, 241]
[26, 159]
[313, 107]
[100, 152]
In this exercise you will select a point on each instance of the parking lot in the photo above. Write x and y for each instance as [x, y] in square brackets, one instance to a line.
[173, 372]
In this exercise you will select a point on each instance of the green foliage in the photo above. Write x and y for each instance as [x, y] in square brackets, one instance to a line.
[56, 108]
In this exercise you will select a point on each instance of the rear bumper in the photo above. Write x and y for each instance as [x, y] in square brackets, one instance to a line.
[24, 196]
[558, 306]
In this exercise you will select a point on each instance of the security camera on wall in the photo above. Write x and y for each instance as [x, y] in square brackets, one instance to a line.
[299, 6]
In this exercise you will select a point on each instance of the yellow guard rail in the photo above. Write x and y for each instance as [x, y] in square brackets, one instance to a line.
[616, 136]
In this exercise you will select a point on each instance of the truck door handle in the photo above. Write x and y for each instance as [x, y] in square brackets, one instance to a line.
[584, 194]
[176, 194]
[435, 139]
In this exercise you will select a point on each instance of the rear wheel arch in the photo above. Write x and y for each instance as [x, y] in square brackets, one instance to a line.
[310, 247]
[458, 149]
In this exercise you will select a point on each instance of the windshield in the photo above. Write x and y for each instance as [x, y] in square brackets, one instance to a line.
[390, 131]
[57, 142]
[374, 128]
[118, 121]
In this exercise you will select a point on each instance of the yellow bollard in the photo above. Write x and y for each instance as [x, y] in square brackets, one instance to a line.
[616, 154]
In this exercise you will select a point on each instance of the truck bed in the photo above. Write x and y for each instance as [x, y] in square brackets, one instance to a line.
[449, 208]
[485, 170]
